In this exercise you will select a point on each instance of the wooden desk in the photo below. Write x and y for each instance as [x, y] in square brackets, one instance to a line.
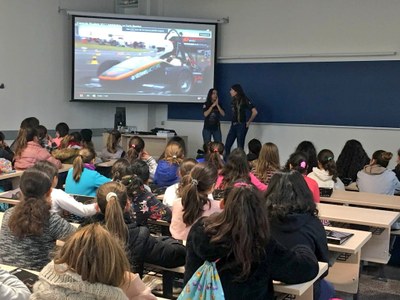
[107, 164]
[345, 272]
[154, 144]
[15, 176]
[380, 221]
[378, 201]
[302, 291]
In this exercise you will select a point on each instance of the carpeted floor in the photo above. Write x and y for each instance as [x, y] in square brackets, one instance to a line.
[372, 288]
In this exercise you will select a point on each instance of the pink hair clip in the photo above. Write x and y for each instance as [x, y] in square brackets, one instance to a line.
[303, 164]
[215, 150]
[241, 184]
[133, 146]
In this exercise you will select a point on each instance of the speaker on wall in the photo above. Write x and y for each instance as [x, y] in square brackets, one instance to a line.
[119, 117]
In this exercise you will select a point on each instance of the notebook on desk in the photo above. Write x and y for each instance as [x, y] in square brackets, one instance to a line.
[337, 237]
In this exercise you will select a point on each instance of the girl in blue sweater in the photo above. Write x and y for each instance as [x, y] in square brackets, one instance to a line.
[83, 179]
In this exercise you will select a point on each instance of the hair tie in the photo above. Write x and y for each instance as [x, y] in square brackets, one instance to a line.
[174, 156]
[215, 150]
[195, 182]
[329, 158]
[133, 146]
[303, 164]
[110, 195]
[241, 184]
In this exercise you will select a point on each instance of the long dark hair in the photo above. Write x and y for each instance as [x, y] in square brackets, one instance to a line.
[297, 161]
[209, 96]
[241, 227]
[236, 168]
[214, 155]
[25, 135]
[351, 160]
[309, 150]
[33, 211]
[288, 193]
[327, 160]
[194, 194]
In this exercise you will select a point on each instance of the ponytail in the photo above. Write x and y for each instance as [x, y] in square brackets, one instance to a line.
[114, 217]
[33, 211]
[326, 159]
[77, 168]
[112, 200]
[112, 141]
[193, 202]
[136, 146]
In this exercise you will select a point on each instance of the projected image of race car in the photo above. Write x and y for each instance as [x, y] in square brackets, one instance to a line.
[171, 65]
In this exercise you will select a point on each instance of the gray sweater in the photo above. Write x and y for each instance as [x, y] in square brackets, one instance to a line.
[31, 252]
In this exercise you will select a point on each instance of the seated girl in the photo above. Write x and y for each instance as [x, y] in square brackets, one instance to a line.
[298, 162]
[140, 245]
[237, 168]
[29, 151]
[144, 204]
[167, 170]
[60, 200]
[326, 174]
[82, 178]
[113, 150]
[267, 163]
[92, 264]
[247, 258]
[215, 155]
[173, 192]
[294, 221]
[29, 230]
[376, 178]
[136, 151]
[196, 201]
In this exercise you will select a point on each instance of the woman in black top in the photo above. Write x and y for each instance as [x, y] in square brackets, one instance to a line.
[239, 126]
[212, 112]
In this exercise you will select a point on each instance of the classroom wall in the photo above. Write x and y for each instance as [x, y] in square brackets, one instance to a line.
[35, 59]
[35, 67]
[289, 28]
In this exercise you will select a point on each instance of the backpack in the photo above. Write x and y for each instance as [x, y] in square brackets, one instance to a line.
[204, 284]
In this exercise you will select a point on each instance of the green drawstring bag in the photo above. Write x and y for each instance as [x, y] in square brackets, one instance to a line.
[204, 284]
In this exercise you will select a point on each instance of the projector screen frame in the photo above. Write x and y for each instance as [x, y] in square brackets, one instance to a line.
[139, 98]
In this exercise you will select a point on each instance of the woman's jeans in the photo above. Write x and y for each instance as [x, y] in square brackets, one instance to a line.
[237, 131]
[215, 133]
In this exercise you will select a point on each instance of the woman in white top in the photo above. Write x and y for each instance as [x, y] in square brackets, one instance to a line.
[326, 173]
[195, 202]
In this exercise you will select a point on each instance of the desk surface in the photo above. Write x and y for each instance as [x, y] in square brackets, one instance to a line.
[364, 199]
[300, 288]
[357, 215]
[18, 173]
[352, 245]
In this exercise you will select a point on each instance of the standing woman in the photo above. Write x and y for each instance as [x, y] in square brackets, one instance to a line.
[212, 112]
[239, 126]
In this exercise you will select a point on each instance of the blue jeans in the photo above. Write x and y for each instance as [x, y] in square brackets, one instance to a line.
[215, 133]
[237, 131]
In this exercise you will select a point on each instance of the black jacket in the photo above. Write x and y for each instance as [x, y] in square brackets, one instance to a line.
[145, 248]
[303, 229]
[290, 266]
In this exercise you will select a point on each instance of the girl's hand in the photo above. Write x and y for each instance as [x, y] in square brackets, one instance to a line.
[145, 155]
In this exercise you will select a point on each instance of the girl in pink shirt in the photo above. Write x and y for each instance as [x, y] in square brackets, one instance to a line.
[196, 200]
[29, 151]
[298, 161]
[237, 169]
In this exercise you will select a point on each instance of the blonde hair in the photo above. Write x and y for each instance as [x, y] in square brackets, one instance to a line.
[94, 254]
[86, 155]
[268, 160]
[174, 153]
[112, 141]
[112, 198]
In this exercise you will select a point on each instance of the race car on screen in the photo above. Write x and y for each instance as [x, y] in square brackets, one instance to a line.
[170, 66]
